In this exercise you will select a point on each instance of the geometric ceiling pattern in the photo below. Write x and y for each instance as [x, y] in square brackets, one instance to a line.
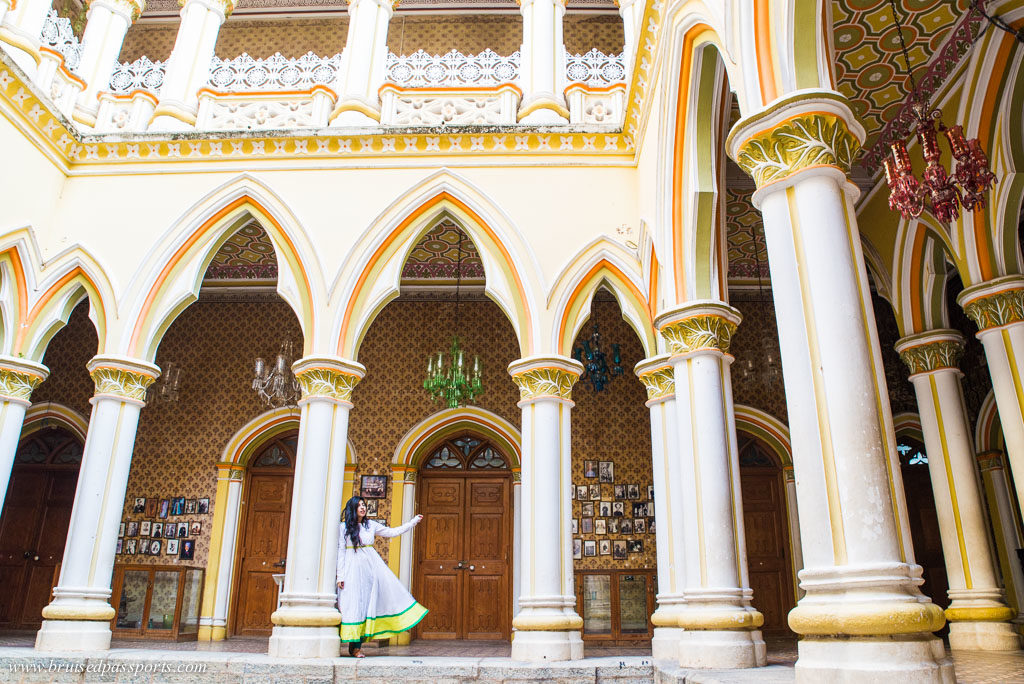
[869, 63]
[744, 236]
[247, 255]
[435, 258]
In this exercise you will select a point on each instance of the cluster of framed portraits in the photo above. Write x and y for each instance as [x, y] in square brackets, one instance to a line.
[607, 508]
[160, 536]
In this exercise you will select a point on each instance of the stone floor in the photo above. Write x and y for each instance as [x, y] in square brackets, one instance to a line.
[437, 662]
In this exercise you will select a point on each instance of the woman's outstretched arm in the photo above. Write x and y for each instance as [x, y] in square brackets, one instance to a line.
[384, 531]
[343, 554]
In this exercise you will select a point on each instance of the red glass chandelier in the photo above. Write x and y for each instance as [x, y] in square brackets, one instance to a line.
[939, 191]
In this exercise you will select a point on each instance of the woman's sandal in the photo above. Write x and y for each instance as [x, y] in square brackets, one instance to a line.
[358, 653]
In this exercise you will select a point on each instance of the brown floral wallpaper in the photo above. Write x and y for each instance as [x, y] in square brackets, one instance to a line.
[757, 370]
[70, 349]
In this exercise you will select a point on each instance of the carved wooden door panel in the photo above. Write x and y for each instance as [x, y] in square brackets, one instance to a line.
[487, 568]
[55, 518]
[439, 543]
[19, 529]
[263, 550]
[767, 536]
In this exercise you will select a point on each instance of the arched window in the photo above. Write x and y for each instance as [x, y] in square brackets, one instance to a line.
[911, 452]
[754, 453]
[278, 454]
[49, 446]
[465, 453]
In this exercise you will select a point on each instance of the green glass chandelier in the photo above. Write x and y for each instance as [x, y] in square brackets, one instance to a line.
[451, 380]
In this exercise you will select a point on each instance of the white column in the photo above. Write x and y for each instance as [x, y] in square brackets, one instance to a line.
[863, 616]
[228, 549]
[517, 538]
[188, 67]
[632, 13]
[547, 626]
[657, 375]
[978, 616]
[18, 378]
[542, 63]
[362, 63]
[720, 627]
[997, 308]
[306, 623]
[406, 554]
[78, 618]
[796, 553]
[21, 30]
[108, 22]
[1004, 523]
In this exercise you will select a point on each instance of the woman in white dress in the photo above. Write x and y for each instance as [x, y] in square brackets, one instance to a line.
[372, 601]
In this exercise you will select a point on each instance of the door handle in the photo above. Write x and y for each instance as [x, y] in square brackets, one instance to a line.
[461, 565]
[29, 554]
[280, 563]
[472, 568]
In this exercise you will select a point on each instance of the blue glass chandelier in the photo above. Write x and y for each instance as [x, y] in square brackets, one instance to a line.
[595, 365]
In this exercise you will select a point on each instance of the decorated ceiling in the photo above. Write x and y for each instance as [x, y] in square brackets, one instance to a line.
[247, 255]
[869, 64]
[744, 236]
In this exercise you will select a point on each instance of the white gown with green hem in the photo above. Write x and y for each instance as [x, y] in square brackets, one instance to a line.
[373, 603]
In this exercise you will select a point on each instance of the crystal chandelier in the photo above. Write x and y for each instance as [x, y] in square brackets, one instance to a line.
[766, 370]
[451, 380]
[941, 193]
[166, 388]
[595, 365]
[276, 385]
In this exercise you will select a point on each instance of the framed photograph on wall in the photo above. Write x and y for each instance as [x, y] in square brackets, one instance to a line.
[158, 530]
[196, 528]
[633, 492]
[635, 545]
[605, 547]
[650, 526]
[120, 530]
[133, 529]
[650, 492]
[140, 505]
[595, 492]
[172, 547]
[582, 492]
[170, 530]
[613, 525]
[178, 505]
[165, 508]
[589, 548]
[190, 506]
[143, 547]
[590, 469]
[129, 546]
[577, 548]
[604, 509]
[371, 508]
[188, 549]
[587, 526]
[606, 471]
[203, 506]
[618, 509]
[586, 510]
[182, 529]
[600, 526]
[575, 525]
[154, 547]
[620, 491]
[626, 526]
[145, 528]
[119, 545]
[619, 549]
[373, 486]
[640, 526]
[151, 507]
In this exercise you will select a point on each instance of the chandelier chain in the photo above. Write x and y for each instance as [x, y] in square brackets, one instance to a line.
[903, 48]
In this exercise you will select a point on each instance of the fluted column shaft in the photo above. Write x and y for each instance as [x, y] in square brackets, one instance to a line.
[657, 374]
[18, 378]
[542, 63]
[863, 615]
[978, 616]
[363, 62]
[107, 24]
[306, 621]
[188, 67]
[547, 626]
[720, 628]
[78, 618]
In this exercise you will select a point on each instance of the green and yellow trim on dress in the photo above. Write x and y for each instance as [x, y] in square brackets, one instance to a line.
[383, 625]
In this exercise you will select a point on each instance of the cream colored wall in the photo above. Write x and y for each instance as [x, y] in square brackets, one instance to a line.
[29, 182]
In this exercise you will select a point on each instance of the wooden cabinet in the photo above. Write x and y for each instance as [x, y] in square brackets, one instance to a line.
[157, 602]
[616, 605]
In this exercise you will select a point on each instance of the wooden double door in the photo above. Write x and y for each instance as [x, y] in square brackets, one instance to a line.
[464, 555]
[34, 524]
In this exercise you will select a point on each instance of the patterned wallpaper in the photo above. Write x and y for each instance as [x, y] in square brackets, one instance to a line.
[326, 35]
[756, 340]
[70, 349]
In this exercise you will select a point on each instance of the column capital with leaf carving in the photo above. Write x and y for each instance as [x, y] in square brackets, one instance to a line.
[224, 7]
[931, 351]
[130, 9]
[121, 377]
[990, 460]
[19, 378]
[541, 377]
[810, 131]
[699, 326]
[995, 303]
[327, 377]
[658, 377]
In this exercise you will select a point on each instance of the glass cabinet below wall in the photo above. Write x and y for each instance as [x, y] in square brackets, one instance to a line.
[616, 605]
[157, 602]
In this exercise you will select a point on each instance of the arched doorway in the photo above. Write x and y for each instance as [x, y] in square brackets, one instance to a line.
[767, 533]
[34, 524]
[463, 551]
[263, 542]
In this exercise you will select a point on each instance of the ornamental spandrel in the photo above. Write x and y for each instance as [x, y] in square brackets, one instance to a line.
[807, 140]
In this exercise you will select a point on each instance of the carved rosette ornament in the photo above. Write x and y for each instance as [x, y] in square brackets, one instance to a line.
[658, 377]
[931, 351]
[698, 327]
[328, 378]
[19, 378]
[545, 377]
[807, 131]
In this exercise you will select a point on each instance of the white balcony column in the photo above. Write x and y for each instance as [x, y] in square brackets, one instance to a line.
[978, 615]
[720, 627]
[547, 626]
[188, 67]
[363, 62]
[21, 29]
[796, 552]
[306, 621]
[78, 618]
[657, 375]
[18, 378]
[213, 619]
[108, 22]
[997, 308]
[863, 616]
[632, 13]
[1005, 526]
[542, 63]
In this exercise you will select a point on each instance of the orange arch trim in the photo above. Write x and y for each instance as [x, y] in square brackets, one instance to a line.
[49, 295]
[585, 281]
[763, 42]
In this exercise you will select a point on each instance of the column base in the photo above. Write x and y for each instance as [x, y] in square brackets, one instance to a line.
[899, 659]
[718, 649]
[665, 644]
[983, 636]
[304, 642]
[73, 635]
[540, 646]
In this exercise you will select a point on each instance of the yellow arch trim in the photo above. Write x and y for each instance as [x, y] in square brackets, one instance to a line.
[47, 413]
[413, 445]
[768, 429]
[908, 424]
[988, 433]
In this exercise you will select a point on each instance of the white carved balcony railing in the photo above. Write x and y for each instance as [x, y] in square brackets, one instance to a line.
[58, 35]
[142, 74]
[251, 111]
[243, 73]
[447, 106]
[451, 70]
[594, 68]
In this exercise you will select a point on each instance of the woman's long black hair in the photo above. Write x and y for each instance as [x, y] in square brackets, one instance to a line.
[351, 520]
